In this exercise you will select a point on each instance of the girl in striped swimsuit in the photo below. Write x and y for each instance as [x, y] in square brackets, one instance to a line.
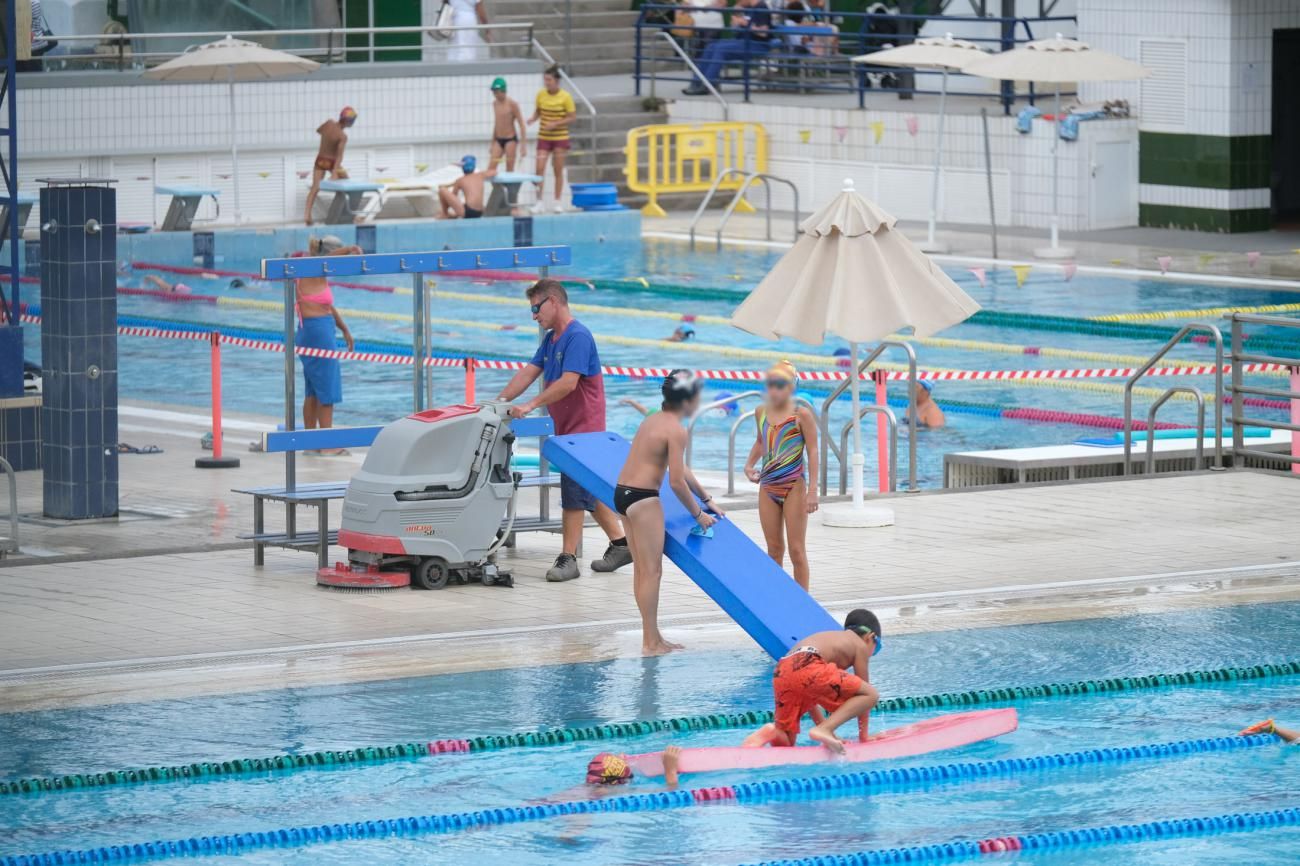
[787, 447]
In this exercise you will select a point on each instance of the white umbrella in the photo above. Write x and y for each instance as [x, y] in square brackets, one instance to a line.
[852, 275]
[1057, 61]
[231, 60]
[943, 53]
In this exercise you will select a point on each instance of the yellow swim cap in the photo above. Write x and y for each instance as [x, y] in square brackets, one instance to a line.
[783, 370]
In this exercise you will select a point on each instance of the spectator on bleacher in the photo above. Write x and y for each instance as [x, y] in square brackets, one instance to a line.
[706, 20]
[468, 44]
[42, 43]
[753, 20]
[810, 13]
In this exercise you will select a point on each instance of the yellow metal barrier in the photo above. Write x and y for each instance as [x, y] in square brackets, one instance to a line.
[683, 157]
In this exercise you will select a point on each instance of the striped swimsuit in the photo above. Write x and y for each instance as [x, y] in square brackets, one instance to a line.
[783, 458]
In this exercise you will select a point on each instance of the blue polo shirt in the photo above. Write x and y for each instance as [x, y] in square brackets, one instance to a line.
[583, 410]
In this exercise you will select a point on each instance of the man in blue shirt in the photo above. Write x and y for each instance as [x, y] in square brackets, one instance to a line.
[574, 395]
[754, 19]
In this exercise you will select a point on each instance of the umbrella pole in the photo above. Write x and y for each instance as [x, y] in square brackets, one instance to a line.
[856, 462]
[234, 143]
[1055, 250]
[932, 245]
[857, 514]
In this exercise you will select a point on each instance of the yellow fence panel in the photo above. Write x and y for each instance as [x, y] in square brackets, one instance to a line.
[688, 157]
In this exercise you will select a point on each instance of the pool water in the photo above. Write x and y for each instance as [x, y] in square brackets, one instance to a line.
[178, 371]
[228, 726]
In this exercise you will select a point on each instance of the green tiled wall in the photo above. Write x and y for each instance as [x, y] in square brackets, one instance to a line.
[1204, 219]
[1206, 161]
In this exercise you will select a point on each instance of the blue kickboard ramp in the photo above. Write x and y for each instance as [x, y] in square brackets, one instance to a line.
[730, 568]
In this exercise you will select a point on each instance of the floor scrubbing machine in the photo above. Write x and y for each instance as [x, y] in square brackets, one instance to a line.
[435, 497]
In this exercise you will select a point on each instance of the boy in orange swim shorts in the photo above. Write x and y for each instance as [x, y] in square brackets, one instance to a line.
[814, 675]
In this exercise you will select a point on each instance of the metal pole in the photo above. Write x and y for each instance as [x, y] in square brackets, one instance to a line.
[543, 493]
[428, 345]
[290, 410]
[856, 461]
[1238, 432]
[930, 243]
[234, 143]
[11, 186]
[988, 173]
[417, 342]
[1056, 174]
[568, 34]
[370, 22]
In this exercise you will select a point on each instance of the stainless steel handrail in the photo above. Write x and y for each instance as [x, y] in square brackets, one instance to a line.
[699, 76]
[582, 97]
[708, 197]
[716, 404]
[1150, 463]
[828, 447]
[1155, 359]
[10, 544]
[767, 189]
[735, 428]
[892, 420]
[1239, 420]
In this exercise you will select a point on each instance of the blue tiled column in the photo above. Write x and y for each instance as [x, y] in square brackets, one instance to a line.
[79, 347]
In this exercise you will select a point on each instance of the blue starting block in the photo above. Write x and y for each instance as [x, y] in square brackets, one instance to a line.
[185, 204]
[349, 196]
[744, 581]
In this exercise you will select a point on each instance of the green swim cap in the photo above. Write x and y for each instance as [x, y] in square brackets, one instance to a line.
[499, 83]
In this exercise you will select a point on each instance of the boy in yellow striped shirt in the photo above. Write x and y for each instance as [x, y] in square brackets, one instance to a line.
[555, 110]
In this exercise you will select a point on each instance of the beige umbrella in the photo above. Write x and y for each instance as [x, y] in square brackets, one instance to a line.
[1057, 61]
[943, 53]
[231, 60]
[853, 275]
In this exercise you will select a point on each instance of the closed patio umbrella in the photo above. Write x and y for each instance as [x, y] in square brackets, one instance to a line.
[945, 54]
[1057, 61]
[231, 60]
[851, 274]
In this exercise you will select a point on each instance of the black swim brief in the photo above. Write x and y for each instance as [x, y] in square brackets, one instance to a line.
[471, 213]
[502, 142]
[625, 497]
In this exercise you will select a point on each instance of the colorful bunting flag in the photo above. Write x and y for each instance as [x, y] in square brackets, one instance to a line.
[1164, 262]
[1068, 270]
[878, 130]
[1252, 258]
[980, 276]
[841, 132]
[1204, 259]
[805, 135]
[912, 125]
[1022, 273]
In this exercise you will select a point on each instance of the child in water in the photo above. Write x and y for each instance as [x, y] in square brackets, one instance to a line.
[1286, 735]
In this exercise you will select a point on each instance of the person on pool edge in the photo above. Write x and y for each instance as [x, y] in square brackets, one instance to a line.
[814, 675]
[574, 396]
[329, 156]
[659, 448]
[317, 320]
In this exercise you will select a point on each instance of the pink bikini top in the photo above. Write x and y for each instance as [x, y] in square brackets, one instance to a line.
[325, 297]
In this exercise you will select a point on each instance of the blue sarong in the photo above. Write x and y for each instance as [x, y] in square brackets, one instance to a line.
[323, 377]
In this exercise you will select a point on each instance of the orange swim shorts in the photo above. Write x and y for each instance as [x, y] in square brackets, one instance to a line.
[324, 163]
[804, 680]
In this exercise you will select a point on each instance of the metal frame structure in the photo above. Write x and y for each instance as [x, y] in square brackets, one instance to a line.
[9, 163]
[750, 177]
[828, 447]
[1239, 419]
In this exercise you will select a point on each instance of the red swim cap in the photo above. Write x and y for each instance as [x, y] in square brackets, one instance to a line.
[608, 769]
[348, 113]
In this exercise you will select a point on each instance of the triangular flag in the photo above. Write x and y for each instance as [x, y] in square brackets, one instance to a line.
[841, 132]
[805, 135]
[1068, 270]
[1022, 273]
[912, 125]
[979, 276]
[1204, 259]
[1117, 262]
[1164, 262]
[878, 130]
[263, 174]
[421, 166]
[1252, 258]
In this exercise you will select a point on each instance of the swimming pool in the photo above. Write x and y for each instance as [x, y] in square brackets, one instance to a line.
[1259, 778]
[712, 283]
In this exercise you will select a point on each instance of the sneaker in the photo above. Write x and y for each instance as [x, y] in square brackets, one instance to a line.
[539, 206]
[616, 556]
[565, 568]
[558, 207]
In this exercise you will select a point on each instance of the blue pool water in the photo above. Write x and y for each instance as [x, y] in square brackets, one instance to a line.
[177, 372]
[225, 726]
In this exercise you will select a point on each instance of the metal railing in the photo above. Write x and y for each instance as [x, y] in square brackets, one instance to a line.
[892, 421]
[749, 178]
[695, 71]
[735, 430]
[784, 62]
[10, 545]
[828, 447]
[1239, 420]
[716, 404]
[1177, 338]
[1149, 465]
[541, 51]
[125, 51]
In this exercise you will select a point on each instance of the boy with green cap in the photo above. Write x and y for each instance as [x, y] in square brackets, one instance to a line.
[509, 136]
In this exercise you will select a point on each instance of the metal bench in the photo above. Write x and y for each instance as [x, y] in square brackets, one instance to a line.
[185, 204]
[349, 199]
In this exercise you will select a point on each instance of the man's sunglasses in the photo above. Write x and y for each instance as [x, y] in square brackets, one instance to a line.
[537, 307]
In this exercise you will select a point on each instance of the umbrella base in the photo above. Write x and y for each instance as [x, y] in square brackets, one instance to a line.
[848, 517]
[937, 248]
[1056, 253]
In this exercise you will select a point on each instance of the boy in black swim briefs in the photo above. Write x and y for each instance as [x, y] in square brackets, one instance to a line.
[659, 447]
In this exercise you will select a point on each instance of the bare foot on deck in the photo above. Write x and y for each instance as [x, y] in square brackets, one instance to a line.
[827, 739]
[659, 647]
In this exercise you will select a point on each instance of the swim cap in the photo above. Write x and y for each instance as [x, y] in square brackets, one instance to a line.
[783, 370]
[348, 113]
[926, 384]
[499, 83]
[467, 164]
[680, 386]
[237, 283]
[608, 769]
[687, 330]
[327, 243]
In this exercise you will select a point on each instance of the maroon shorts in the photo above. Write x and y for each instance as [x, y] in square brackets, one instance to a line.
[543, 145]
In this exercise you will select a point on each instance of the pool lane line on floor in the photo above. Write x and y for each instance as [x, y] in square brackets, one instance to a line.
[371, 755]
[1086, 837]
[753, 793]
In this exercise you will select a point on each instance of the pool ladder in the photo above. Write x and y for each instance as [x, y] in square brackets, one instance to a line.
[749, 178]
[10, 544]
[1240, 421]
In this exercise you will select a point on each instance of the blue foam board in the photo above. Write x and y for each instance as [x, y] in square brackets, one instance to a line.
[744, 581]
[324, 437]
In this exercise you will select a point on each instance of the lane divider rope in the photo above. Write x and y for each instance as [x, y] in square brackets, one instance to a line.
[822, 787]
[617, 731]
[1215, 312]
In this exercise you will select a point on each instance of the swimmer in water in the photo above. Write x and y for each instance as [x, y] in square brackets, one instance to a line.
[177, 288]
[814, 675]
[1286, 735]
[681, 334]
[787, 447]
[608, 769]
[928, 413]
